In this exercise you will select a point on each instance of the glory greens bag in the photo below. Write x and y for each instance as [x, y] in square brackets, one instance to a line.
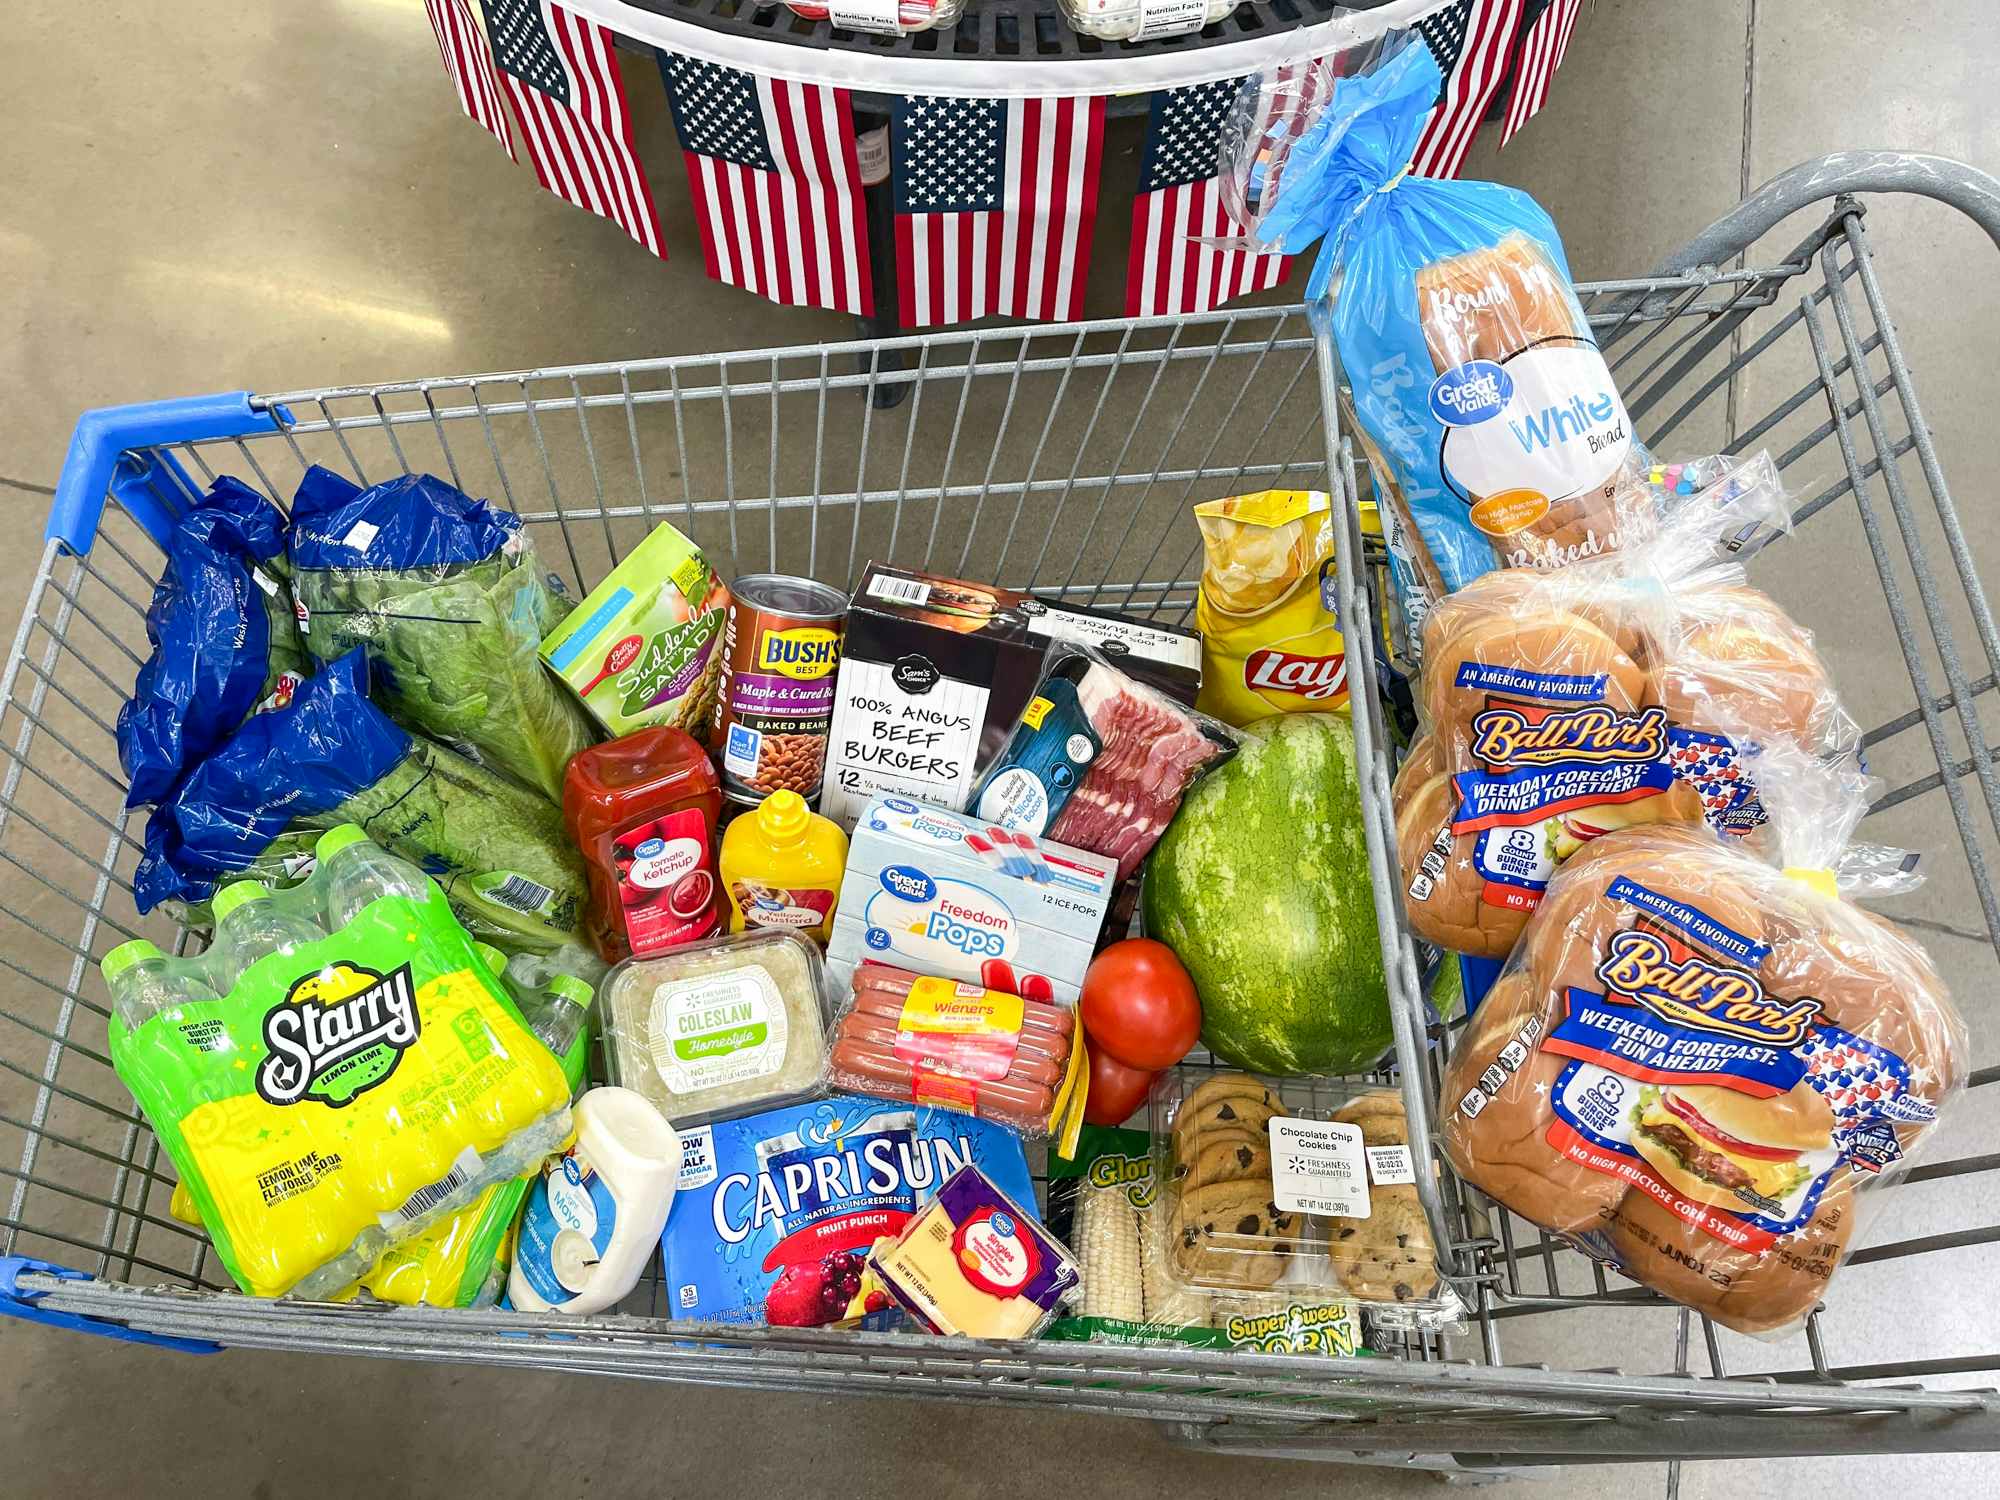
[448, 595]
[225, 643]
[331, 756]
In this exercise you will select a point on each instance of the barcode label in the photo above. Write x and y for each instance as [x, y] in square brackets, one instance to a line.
[518, 893]
[425, 1199]
[900, 590]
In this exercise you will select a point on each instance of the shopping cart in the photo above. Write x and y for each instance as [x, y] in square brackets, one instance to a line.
[1066, 459]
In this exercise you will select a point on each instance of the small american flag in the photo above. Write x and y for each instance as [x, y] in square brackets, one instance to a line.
[469, 61]
[995, 203]
[1471, 41]
[1180, 197]
[1542, 50]
[559, 71]
[776, 186]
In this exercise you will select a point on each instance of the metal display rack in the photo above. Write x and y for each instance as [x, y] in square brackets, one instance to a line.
[1062, 458]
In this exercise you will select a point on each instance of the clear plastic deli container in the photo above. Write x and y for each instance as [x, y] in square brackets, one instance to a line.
[718, 1029]
[885, 17]
[1143, 20]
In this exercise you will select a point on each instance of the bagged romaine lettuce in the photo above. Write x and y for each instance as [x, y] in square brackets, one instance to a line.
[255, 806]
[448, 595]
[225, 643]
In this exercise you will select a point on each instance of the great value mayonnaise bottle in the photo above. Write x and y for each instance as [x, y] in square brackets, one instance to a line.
[594, 1218]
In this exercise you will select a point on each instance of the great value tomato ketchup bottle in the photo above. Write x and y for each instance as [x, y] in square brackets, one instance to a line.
[642, 811]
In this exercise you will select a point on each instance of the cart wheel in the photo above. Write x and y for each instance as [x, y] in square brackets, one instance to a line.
[884, 394]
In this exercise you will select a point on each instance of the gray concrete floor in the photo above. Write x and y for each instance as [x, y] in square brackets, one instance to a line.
[212, 195]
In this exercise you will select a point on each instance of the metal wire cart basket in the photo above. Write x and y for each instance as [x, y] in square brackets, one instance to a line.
[1065, 459]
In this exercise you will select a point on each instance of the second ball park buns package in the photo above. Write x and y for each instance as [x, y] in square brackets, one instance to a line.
[1704, 1067]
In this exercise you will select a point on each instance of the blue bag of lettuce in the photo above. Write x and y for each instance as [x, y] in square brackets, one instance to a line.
[225, 643]
[448, 596]
[1472, 365]
[255, 807]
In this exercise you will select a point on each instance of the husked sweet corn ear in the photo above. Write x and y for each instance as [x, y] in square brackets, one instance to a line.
[1108, 1235]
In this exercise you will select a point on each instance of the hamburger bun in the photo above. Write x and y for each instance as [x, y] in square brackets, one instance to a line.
[1875, 983]
[1449, 908]
[1424, 761]
[1754, 675]
[1503, 1148]
[1751, 1291]
[1711, 1119]
[1568, 941]
[1552, 642]
[1592, 594]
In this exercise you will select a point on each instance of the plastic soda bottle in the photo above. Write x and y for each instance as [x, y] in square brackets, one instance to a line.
[559, 1021]
[249, 925]
[358, 870]
[144, 982]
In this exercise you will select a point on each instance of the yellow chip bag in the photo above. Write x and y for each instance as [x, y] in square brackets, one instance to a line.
[1270, 635]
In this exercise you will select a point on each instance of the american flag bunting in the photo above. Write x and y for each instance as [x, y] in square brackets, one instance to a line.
[469, 61]
[1180, 198]
[777, 189]
[995, 200]
[569, 98]
[1472, 41]
[1543, 47]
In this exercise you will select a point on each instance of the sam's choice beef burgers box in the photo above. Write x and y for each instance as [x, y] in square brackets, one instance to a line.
[934, 672]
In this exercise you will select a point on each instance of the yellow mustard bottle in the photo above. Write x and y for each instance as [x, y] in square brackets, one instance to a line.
[781, 867]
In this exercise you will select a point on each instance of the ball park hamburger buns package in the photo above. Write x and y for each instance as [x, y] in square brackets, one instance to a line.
[1705, 1068]
[1613, 694]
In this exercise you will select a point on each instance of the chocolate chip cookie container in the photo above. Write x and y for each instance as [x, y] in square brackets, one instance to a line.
[780, 649]
[1273, 1186]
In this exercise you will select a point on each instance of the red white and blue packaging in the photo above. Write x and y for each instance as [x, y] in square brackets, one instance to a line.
[775, 1213]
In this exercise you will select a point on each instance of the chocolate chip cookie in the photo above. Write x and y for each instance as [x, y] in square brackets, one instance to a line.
[1386, 1257]
[1232, 1234]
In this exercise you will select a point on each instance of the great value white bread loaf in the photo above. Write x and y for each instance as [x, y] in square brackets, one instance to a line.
[1704, 1066]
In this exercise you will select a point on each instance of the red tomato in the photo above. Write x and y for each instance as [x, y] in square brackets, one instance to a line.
[1139, 1005]
[1115, 1090]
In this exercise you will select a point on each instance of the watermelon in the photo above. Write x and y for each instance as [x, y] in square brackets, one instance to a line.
[1261, 886]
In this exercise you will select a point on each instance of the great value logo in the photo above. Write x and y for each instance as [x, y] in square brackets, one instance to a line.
[1315, 677]
[1504, 738]
[937, 924]
[1476, 391]
[1693, 991]
[908, 883]
[340, 1032]
[804, 653]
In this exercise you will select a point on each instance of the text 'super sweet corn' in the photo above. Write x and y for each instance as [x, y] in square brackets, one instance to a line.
[344, 1095]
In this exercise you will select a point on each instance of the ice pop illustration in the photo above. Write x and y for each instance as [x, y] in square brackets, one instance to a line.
[1038, 868]
[997, 850]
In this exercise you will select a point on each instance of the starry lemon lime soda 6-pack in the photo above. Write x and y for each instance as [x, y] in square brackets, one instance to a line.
[935, 670]
[942, 893]
[775, 1213]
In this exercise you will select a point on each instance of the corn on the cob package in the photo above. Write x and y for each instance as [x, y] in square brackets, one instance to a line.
[1103, 1204]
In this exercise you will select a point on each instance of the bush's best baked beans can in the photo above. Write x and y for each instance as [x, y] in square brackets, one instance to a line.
[780, 652]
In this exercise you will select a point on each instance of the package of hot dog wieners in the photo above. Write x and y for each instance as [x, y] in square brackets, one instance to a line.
[1620, 692]
[1707, 1067]
[923, 1039]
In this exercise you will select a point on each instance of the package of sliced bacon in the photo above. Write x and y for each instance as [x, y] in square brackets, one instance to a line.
[1098, 760]
[1704, 1067]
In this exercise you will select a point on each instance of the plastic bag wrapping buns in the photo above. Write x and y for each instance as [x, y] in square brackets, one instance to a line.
[1609, 694]
[1705, 1068]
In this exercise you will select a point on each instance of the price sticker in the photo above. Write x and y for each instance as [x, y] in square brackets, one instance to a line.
[1318, 1167]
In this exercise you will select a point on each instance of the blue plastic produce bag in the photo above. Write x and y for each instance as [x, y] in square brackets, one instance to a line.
[256, 806]
[1472, 366]
[224, 639]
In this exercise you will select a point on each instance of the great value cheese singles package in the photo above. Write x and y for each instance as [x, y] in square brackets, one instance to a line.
[934, 671]
[775, 1213]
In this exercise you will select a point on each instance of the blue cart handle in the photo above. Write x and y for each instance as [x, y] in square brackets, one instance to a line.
[16, 1303]
[106, 456]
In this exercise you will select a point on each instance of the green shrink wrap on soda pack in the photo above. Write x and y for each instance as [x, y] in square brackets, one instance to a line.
[340, 1071]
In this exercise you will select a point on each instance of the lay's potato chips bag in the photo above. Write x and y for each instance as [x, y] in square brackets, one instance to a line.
[1270, 634]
